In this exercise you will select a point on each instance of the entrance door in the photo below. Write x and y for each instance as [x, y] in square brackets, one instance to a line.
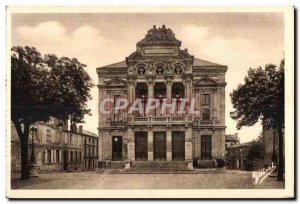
[160, 146]
[65, 160]
[178, 149]
[205, 147]
[117, 148]
[141, 146]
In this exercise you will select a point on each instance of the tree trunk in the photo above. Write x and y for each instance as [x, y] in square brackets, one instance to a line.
[281, 159]
[24, 158]
[23, 136]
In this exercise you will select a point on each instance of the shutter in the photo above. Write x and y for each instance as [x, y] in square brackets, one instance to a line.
[46, 156]
[59, 157]
[54, 156]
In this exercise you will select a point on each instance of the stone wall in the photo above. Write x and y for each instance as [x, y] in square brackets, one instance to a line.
[106, 143]
[217, 143]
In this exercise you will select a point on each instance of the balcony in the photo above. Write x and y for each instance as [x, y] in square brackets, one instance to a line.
[117, 123]
[160, 120]
[206, 122]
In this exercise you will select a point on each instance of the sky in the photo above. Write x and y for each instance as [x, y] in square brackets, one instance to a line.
[238, 40]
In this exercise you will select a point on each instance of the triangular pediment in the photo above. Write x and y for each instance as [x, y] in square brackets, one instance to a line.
[116, 82]
[206, 82]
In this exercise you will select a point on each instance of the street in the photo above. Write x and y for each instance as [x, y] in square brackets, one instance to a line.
[94, 180]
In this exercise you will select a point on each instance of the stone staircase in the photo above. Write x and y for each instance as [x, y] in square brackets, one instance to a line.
[158, 166]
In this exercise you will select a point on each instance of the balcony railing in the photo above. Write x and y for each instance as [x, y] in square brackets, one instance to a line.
[160, 119]
[206, 122]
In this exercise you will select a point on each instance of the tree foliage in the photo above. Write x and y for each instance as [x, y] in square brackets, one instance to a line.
[255, 151]
[261, 97]
[45, 87]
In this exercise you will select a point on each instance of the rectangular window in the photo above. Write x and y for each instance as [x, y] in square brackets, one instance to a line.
[205, 99]
[71, 139]
[57, 156]
[205, 114]
[79, 156]
[71, 156]
[48, 135]
[48, 156]
[57, 137]
[39, 135]
[76, 156]
[206, 147]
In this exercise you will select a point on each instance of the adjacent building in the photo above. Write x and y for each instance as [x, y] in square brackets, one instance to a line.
[160, 69]
[91, 145]
[231, 140]
[237, 156]
[56, 148]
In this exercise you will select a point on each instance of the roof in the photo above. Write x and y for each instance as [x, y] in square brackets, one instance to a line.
[247, 144]
[197, 63]
[116, 65]
[86, 132]
[204, 63]
[231, 137]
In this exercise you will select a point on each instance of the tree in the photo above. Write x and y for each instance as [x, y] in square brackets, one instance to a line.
[255, 151]
[261, 97]
[45, 87]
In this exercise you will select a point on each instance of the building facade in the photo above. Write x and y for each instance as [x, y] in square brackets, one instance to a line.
[159, 69]
[231, 140]
[57, 148]
[91, 145]
[237, 156]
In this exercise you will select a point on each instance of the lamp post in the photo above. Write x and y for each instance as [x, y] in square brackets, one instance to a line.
[32, 164]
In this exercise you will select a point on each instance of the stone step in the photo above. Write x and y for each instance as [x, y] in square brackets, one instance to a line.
[159, 166]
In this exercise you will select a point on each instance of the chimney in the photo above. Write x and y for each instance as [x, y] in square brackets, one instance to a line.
[80, 129]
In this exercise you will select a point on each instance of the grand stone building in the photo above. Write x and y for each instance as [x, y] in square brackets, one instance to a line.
[160, 69]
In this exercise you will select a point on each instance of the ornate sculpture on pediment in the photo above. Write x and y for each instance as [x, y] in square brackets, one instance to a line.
[159, 69]
[141, 69]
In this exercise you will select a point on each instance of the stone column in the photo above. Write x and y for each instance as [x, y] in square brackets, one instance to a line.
[188, 87]
[212, 106]
[131, 144]
[100, 143]
[150, 145]
[188, 144]
[169, 96]
[131, 91]
[169, 145]
[151, 95]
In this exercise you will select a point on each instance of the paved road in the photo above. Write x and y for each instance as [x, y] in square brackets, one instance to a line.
[93, 180]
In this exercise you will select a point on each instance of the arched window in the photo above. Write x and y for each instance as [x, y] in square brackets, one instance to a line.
[141, 92]
[160, 93]
[177, 93]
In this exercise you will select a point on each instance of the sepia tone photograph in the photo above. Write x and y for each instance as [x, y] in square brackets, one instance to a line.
[162, 102]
